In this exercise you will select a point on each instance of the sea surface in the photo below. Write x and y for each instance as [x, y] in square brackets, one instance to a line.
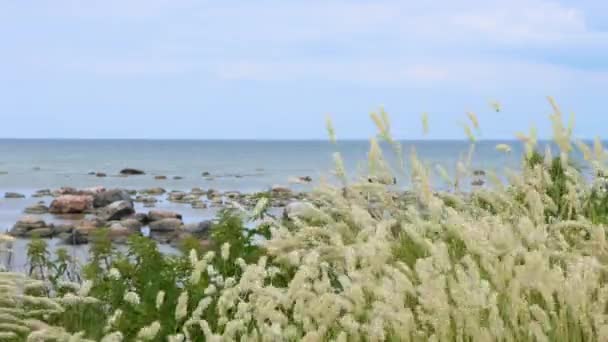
[246, 166]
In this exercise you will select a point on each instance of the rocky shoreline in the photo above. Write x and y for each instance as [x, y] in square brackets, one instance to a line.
[90, 209]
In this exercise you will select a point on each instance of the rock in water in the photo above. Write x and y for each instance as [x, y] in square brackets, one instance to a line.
[116, 211]
[71, 204]
[201, 229]
[38, 208]
[132, 224]
[107, 197]
[26, 224]
[130, 171]
[13, 195]
[160, 177]
[165, 225]
[157, 215]
[43, 193]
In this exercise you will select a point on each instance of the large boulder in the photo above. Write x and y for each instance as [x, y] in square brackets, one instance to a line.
[27, 224]
[71, 204]
[116, 211]
[131, 171]
[157, 215]
[165, 225]
[110, 196]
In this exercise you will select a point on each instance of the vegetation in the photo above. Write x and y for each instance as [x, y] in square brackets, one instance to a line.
[523, 260]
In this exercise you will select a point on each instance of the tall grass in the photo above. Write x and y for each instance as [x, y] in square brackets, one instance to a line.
[519, 261]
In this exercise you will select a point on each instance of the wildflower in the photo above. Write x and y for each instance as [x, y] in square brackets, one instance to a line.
[114, 273]
[132, 298]
[148, 333]
[160, 299]
[225, 251]
[113, 337]
[181, 310]
[85, 288]
[425, 123]
[330, 129]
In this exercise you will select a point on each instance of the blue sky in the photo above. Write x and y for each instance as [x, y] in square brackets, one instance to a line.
[274, 69]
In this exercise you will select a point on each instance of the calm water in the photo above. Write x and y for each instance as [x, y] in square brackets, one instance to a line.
[29, 165]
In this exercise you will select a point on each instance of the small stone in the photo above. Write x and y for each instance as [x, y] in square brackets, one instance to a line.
[131, 171]
[178, 177]
[13, 195]
[206, 174]
[160, 177]
[100, 174]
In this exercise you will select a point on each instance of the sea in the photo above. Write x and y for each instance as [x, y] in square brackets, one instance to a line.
[234, 165]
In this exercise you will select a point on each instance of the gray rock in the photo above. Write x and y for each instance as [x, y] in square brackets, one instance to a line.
[42, 193]
[165, 225]
[131, 224]
[38, 208]
[116, 211]
[131, 171]
[232, 194]
[197, 191]
[107, 197]
[199, 205]
[153, 191]
[100, 174]
[206, 174]
[198, 229]
[178, 177]
[13, 195]
[30, 222]
[156, 215]
[39, 232]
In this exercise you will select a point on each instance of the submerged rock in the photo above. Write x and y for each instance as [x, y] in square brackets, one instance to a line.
[153, 191]
[100, 174]
[178, 177]
[206, 174]
[160, 177]
[71, 204]
[42, 193]
[13, 195]
[199, 205]
[131, 171]
[38, 208]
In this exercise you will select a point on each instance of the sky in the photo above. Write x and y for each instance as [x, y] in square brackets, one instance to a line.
[274, 69]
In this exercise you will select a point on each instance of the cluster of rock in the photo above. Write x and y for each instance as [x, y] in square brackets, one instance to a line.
[98, 208]
[93, 208]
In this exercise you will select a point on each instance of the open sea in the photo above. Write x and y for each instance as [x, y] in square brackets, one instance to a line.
[245, 166]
